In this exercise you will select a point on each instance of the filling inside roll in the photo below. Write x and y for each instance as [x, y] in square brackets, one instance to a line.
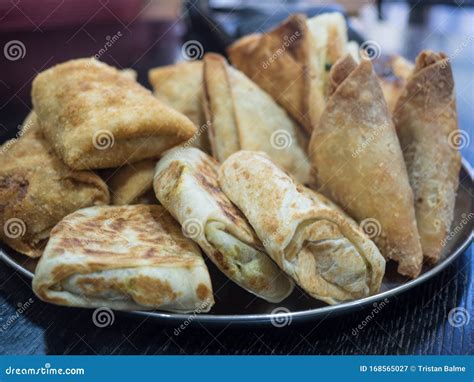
[247, 264]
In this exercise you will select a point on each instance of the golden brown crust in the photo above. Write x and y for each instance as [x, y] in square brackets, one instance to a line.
[37, 190]
[426, 122]
[181, 87]
[358, 163]
[97, 117]
[279, 62]
[130, 182]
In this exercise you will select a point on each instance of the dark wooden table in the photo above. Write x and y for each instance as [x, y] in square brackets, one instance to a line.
[413, 323]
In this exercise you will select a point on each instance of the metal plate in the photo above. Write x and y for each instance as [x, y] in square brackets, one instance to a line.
[234, 305]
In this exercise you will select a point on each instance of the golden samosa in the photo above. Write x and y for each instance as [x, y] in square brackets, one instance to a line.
[426, 121]
[96, 116]
[358, 163]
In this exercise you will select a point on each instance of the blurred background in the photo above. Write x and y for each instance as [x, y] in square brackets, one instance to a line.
[36, 34]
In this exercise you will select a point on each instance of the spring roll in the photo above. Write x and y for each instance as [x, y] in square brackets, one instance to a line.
[186, 185]
[243, 117]
[426, 121]
[359, 164]
[126, 257]
[95, 116]
[37, 190]
[132, 183]
[181, 87]
[313, 241]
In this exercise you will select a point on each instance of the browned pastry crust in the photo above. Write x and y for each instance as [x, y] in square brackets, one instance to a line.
[426, 121]
[37, 190]
[359, 164]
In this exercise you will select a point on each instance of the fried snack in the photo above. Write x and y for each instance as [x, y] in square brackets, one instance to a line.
[358, 163]
[426, 121]
[127, 257]
[131, 183]
[37, 190]
[310, 238]
[243, 117]
[393, 72]
[95, 116]
[186, 185]
[181, 87]
[291, 62]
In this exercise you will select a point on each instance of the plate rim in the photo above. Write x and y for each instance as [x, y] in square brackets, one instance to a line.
[169, 317]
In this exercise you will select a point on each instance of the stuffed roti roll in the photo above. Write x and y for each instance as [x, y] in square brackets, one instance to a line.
[186, 184]
[426, 121]
[358, 163]
[127, 257]
[310, 238]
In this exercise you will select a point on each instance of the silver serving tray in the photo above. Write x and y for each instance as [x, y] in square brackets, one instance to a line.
[234, 305]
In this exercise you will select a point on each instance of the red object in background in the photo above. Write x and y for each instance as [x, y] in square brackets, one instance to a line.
[36, 34]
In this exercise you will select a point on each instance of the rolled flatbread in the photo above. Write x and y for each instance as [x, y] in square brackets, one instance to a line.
[132, 183]
[181, 87]
[358, 163]
[126, 257]
[426, 121]
[37, 190]
[243, 117]
[310, 238]
[291, 62]
[95, 116]
[186, 185]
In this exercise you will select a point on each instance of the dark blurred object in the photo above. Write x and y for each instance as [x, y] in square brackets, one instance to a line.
[218, 26]
[418, 8]
[35, 35]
